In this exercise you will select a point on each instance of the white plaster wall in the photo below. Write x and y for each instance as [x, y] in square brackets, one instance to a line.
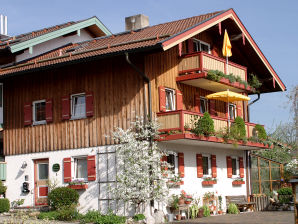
[16, 176]
[193, 185]
[52, 44]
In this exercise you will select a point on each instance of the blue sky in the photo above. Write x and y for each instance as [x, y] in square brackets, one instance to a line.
[272, 23]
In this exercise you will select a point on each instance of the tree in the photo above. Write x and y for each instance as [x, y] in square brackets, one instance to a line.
[140, 178]
[293, 101]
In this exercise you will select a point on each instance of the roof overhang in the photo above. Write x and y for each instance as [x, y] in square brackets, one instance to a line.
[220, 17]
[94, 23]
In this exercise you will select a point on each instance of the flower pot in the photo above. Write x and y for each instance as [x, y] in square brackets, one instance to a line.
[79, 187]
[236, 182]
[219, 212]
[178, 217]
[181, 201]
[201, 213]
[187, 202]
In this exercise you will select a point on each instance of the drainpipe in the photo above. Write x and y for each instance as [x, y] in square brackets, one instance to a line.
[248, 179]
[145, 79]
[259, 96]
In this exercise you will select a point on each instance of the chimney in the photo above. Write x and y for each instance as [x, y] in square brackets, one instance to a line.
[136, 22]
[3, 25]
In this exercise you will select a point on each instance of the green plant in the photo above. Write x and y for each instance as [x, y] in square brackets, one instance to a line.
[139, 217]
[285, 191]
[17, 203]
[67, 213]
[233, 209]
[261, 132]
[174, 202]
[237, 130]
[2, 188]
[209, 179]
[254, 82]
[62, 197]
[220, 202]
[206, 212]
[51, 215]
[4, 205]
[194, 210]
[204, 125]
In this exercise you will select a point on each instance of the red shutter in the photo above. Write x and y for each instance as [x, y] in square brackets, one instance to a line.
[197, 103]
[28, 113]
[67, 169]
[241, 167]
[190, 45]
[49, 110]
[181, 164]
[239, 111]
[89, 104]
[179, 100]
[213, 166]
[199, 165]
[229, 166]
[162, 98]
[65, 108]
[91, 167]
[212, 107]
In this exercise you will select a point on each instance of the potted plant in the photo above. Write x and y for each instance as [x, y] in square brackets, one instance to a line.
[78, 184]
[188, 199]
[207, 181]
[174, 204]
[220, 204]
[238, 181]
[175, 181]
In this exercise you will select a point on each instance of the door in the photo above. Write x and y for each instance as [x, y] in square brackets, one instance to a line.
[41, 176]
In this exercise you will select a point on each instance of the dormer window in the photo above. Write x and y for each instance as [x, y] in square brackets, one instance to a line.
[199, 45]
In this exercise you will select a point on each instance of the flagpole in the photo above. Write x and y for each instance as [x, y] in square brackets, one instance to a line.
[227, 64]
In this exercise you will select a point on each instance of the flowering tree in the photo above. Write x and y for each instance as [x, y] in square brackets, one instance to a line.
[141, 176]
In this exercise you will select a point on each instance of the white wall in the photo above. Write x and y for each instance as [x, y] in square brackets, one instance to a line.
[193, 185]
[52, 44]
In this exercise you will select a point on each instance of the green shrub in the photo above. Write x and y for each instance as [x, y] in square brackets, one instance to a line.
[68, 213]
[204, 125]
[51, 215]
[285, 191]
[2, 188]
[91, 216]
[63, 197]
[254, 81]
[139, 217]
[233, 209]
[261, 132]
[206, 212]
[110, 219]
[238, 130]
[4, 205]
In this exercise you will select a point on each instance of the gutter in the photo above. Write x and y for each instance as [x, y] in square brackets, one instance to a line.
[146, 80]
[248, 106]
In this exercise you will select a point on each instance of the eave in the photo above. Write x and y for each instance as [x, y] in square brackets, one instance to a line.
[49, 36]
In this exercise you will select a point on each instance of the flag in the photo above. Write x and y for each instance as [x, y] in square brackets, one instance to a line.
[226, 48]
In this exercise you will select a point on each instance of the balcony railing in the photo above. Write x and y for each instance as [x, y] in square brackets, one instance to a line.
[183, 121]
[202, 62]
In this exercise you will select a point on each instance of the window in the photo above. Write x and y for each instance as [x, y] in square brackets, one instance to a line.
[78, 106]
[171, 160]
[206, 165]
[170, 99]
[43, 171]
[80, 166]
[199, 45]
[235, 168]
[203, 105]
[232, 111]
[39, 112]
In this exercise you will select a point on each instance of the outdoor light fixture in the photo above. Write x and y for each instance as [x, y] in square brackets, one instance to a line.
[24, 165]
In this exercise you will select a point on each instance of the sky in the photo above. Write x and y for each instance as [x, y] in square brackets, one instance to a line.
[272, 23]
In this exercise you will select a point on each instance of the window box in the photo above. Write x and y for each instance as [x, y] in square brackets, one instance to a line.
[238, 182]
[208, 183]
[79, 186]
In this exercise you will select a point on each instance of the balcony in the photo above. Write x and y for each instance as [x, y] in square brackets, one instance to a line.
[193, 70]
[176, 125]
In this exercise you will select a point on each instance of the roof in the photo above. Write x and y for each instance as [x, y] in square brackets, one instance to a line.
[161, 36]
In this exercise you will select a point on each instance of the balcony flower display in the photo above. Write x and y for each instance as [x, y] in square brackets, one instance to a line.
[238, 181]
[207, 181]
[78, 184]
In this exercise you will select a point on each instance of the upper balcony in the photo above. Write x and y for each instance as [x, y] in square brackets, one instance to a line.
[178, 124]
[193, 69]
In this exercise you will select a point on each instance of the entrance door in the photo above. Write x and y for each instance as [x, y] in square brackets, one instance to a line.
[41, 176]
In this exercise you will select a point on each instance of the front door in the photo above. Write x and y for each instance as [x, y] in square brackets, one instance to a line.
[41, 176]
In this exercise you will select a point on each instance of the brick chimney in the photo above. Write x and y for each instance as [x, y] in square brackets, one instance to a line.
[136, 22]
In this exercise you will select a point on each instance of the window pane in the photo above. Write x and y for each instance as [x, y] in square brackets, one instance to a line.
[78, 106]
[1, 92]
[40, 111]
[254, 162]
[264, 174]
[265, 185]
[234, 166]
[43, 171]
[275, 165]
[169, 100]
[255, 188]
[204, 47]
[81, 168]
[205, 165]
[275, 173]
[171, 161]
[203, 105]
[254, 174]
[232, 111]
[275, 185]
[264, 163]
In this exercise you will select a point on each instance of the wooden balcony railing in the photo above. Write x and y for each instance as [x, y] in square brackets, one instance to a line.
[183, 121]
[202, 62]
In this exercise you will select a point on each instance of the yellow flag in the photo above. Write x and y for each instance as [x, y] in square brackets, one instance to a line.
[226, 48]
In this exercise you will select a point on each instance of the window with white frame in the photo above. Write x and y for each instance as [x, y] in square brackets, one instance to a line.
[39, 112]
[78, 106]
[80, 168]
[232, 111]
[170, 99]
[199, 45]
[235, 166]
[206, 165]
[171, 159]
[203, 104]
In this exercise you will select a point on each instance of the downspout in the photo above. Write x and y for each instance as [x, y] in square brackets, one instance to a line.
[259, 96]
[147, 80]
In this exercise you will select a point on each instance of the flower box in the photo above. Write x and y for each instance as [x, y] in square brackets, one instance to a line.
[79, 186]
[238, 182]
[208, 183]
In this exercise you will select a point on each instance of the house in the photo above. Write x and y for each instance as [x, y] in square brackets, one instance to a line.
[64, 94]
